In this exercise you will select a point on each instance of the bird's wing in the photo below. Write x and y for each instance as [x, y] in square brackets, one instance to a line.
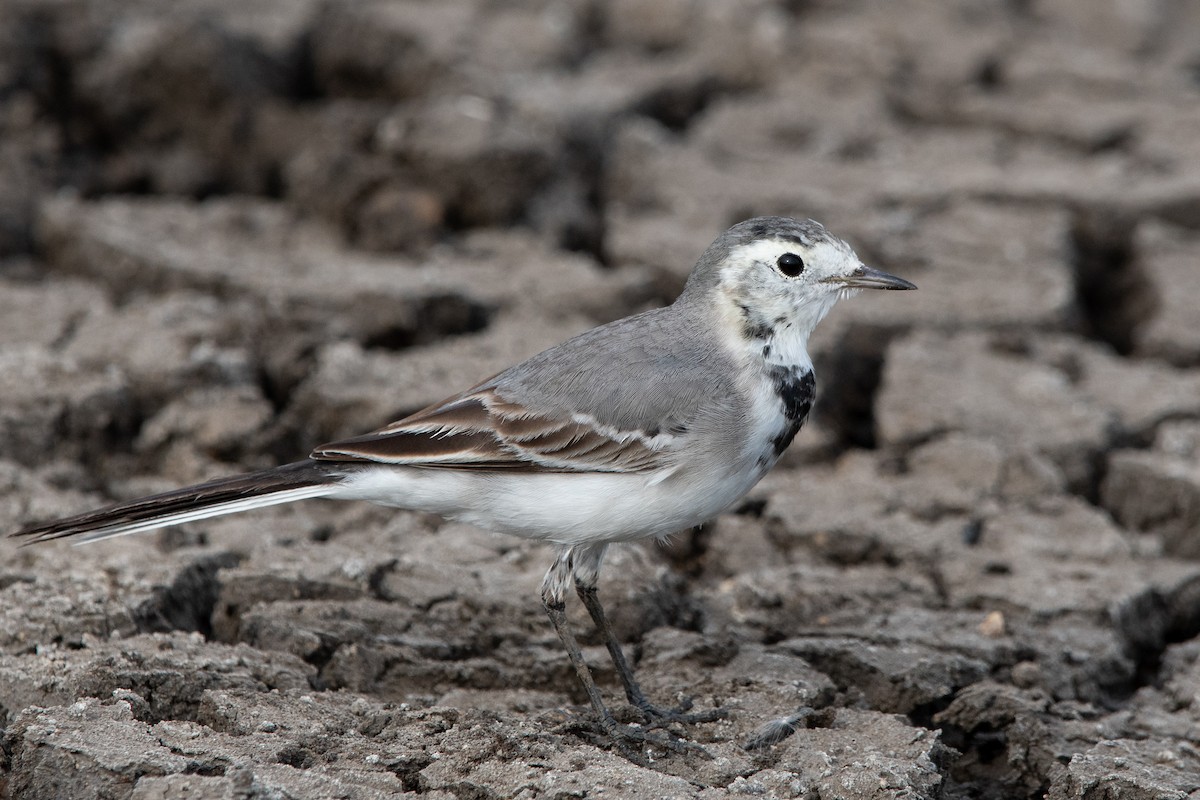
[618, 398]
[479, 429]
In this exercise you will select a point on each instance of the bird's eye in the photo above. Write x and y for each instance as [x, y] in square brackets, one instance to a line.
[790, 264]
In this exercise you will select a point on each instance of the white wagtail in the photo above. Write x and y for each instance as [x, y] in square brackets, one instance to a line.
[634, 430]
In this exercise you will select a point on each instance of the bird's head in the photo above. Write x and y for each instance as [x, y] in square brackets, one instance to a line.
[777, 273]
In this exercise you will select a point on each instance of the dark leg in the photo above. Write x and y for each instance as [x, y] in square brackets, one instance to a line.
[591, 601]
[581, 565]
[557, 611]
[625, 737]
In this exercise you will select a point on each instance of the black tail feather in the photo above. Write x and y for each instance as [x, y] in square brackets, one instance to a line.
[221, 496]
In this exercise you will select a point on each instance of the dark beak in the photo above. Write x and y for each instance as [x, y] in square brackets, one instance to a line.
[866, 278]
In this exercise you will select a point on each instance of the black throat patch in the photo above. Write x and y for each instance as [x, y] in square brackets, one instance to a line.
[796, 389]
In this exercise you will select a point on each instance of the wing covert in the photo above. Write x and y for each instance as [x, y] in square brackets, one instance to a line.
[479, 429]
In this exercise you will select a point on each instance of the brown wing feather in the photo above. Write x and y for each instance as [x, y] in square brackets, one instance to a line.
[482, 430]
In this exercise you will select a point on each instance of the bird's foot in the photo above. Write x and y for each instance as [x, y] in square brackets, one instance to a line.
[661, 717]
[634, 742]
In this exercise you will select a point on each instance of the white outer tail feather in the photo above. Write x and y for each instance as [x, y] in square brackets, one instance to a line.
[194, 514]
[228, 495]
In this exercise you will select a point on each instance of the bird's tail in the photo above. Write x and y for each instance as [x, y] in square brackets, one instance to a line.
[269, 487]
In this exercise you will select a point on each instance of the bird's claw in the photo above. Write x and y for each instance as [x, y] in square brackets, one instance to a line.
[632, 741]
[661, 717]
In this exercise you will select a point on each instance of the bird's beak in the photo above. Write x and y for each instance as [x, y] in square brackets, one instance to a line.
[867, 278]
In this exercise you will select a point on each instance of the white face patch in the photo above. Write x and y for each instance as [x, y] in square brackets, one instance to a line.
[767, 306]
[823, 259]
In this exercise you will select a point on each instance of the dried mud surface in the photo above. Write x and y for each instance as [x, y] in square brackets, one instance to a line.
[230, 231]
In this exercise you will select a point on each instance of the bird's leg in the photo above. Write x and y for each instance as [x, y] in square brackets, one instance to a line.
[554, 601]
[586, 573]
[591, 601]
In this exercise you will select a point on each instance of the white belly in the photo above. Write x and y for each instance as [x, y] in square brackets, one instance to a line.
[722, 460]
[566, 508]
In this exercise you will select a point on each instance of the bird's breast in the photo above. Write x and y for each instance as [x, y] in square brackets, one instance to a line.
[782, 399]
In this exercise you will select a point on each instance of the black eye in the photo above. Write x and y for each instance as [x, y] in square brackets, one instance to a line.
[790, 264]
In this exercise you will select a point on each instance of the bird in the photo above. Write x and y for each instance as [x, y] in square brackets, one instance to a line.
[630, 431]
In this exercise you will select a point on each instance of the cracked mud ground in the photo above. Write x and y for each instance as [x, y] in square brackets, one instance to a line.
[230, 231]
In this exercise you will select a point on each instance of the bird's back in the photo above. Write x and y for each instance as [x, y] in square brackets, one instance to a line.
[652, 373]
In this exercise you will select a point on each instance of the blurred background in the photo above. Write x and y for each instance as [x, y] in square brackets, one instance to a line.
[230, 231]
[345, 174]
